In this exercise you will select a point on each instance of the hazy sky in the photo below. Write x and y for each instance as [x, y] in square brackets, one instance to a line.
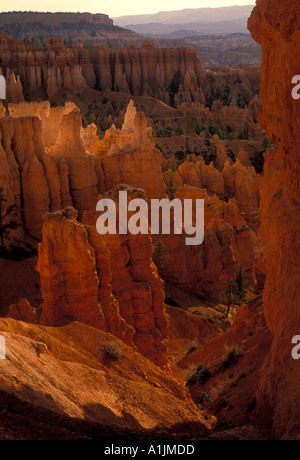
[116, 8]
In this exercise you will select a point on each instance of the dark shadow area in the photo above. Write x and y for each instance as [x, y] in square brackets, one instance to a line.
[17, 253]
[20, 420]
[19, 279]
[171, 302]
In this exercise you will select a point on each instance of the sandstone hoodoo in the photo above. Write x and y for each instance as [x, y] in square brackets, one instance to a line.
[276, 27]
[36, 71]
[110, 283]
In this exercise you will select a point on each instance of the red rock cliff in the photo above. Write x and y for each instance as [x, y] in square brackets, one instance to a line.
[169, 74]
[276, 26]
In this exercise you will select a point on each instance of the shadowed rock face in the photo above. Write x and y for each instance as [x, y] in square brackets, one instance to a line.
[169, 74]
[53, 19]
[276, 26]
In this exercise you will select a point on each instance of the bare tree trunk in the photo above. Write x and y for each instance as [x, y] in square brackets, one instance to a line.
[228, 310]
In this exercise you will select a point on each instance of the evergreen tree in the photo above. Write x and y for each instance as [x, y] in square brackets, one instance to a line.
[171, 183]
[230, 295]
[241, 283]
[8, 220]
[234, 290]
[160, 255]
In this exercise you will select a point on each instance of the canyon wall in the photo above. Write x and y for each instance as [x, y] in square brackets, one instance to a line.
[276, 26]
[129, 156]
[164, 73]
[36, 27]
[110, 281]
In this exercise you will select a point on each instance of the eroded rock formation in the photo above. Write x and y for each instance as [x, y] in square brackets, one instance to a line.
[42, 150]
[70, 165]
[169, 74]
[276, 26]
[108, 282]
[76, 26]
[228, 243]
[234, 181]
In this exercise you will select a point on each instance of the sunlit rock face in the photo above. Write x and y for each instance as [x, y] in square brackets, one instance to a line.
[45, 164]
[276, 26]
[109, 282]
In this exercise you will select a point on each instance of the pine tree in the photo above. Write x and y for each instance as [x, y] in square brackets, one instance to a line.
[230, 295]
[234, 290]
[160, 255]
[8, 220]
[241, 283]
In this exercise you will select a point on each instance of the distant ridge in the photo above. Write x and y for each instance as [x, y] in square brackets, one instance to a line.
[52, 19]
[77, 26]
[187, 15]
[179, 24]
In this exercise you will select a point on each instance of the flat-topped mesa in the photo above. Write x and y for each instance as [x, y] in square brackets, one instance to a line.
[276, 26]
[228, 243]
[52, 19]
